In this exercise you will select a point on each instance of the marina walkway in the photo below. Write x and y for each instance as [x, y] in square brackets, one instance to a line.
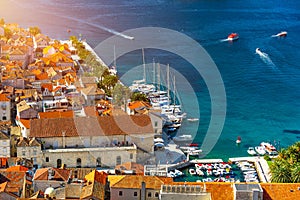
[261, 166]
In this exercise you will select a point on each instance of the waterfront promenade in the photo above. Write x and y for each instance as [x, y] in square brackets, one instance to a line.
[261, 166]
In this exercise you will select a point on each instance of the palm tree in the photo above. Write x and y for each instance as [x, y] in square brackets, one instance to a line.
[296, 173]
[280, 172]
[286, 167]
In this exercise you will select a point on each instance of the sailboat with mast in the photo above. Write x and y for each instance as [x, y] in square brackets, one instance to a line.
[141, 85]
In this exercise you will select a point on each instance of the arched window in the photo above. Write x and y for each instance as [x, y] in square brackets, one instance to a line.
[78, 163]
[58, 163]
[118, 161]
[98, 162]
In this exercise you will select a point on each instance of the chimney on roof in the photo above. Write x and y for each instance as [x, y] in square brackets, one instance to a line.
[143, 191]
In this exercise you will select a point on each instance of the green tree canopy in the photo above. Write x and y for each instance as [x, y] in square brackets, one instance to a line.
[2, 22]
[286, 167]
[136, 96]
[34, 30]
[120, 94]
[7, 33]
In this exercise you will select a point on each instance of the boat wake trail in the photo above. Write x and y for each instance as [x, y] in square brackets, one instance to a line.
[224, 40]
[79, 20]
[266, 59]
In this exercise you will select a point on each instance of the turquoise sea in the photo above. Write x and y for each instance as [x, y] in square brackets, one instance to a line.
[262, 94]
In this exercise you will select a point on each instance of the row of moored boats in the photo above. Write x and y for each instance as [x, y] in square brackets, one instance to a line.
[264, 148]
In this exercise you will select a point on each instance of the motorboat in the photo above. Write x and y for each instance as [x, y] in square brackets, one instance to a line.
[258, 51]
[238, 140]
[195, 152]
[233, 36]
[183, 138]
[158, 140]
[192, 171]
[199, 172]
[281, 34]
[268, 146]
[251, 151]
[260, 150]
[193, 119]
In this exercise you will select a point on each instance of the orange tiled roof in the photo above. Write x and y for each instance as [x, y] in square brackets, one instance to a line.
[25, 122]
[138, 168]
[90, 111]
[218, 190]
[3, 97]
[17, 168]
[138, 104]
[49, 86]
[59, 174]
[42, 76]
[57, 114]
[133, 181]
[24, 142]
[282, 191]
[3, 186]
[100, 177]
[88, 126]
[15, 180]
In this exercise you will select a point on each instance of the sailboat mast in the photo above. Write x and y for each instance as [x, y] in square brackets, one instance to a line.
[115, 64]
[174, 91]
[158, 76]
[153, 63]
[168, 81]
[144, 65]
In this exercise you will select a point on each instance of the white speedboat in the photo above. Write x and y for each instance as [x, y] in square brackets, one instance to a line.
[260, 150]
[193, 119]
[258, 51]
[183, 138]
[195, 152]
[251, 151]
[199, 172]
[281, 34]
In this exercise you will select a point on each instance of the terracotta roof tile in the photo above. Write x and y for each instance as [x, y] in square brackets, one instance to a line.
[23, 141]
[25, 122]
[218, 190]
[138, 168]
[59, 174]
[42, 76]
[3, 97]
[282, 191]
[99, 177]
[88, 126]
[49, 86]
[57, 114]
[138, 104]
[133, 181]
[90, 111]
[17, 168]
[15, 180]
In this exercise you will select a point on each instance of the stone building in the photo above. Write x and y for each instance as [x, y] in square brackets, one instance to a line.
[5, 106]
[29, 148]
[94, 141]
